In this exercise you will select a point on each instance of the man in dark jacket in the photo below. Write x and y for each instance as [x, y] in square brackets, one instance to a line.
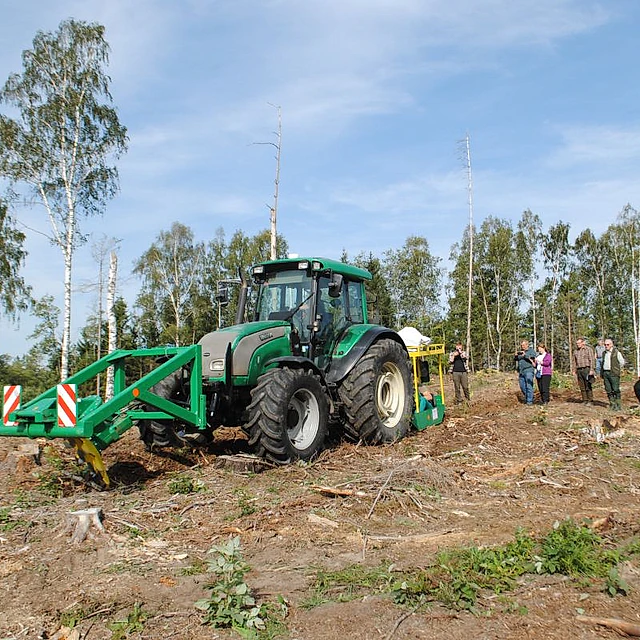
[612, 364]
[525, 363]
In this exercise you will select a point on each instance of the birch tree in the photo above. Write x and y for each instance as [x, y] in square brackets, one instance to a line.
[64, 138]
[414, 278]
[112, 340]
[556, 255]
[171, 273]
[14, 291]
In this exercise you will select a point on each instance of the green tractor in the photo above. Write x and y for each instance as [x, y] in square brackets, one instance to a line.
[308, 357]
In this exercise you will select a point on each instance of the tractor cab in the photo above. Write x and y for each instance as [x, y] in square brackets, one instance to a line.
[319, 298]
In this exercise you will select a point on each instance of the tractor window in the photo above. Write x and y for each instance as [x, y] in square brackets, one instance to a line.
[280, 294]
[354, 295]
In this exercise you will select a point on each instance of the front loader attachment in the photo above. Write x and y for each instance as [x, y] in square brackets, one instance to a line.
[91, 424]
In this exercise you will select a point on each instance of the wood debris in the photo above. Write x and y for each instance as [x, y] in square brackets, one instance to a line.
[334, 492]
[621, 626]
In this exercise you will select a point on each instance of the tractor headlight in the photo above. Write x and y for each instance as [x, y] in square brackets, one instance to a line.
[216, 365]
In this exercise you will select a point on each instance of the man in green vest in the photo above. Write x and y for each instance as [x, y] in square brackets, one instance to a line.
[612, 364]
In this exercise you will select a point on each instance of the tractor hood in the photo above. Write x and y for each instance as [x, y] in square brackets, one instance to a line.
[232, 351]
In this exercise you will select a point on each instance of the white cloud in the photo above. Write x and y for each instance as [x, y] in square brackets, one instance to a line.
[603, 146]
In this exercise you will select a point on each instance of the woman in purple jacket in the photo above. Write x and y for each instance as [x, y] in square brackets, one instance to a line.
[543, 372]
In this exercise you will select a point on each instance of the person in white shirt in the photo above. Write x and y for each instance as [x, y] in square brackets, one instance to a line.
[612, 365]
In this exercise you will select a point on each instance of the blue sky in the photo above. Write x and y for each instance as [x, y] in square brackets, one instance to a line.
[376, 96]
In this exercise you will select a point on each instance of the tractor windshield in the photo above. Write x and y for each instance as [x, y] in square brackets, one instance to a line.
[286, 295]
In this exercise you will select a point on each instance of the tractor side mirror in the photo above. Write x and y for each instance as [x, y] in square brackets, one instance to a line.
[222, 294]
[335, 285]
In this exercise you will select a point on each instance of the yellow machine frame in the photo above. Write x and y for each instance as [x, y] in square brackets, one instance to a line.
[416, 354]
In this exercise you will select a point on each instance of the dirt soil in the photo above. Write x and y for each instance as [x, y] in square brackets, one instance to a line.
[487, 470]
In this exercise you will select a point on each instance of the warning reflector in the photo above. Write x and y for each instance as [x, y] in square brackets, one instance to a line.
[67, 405]
[10, 403]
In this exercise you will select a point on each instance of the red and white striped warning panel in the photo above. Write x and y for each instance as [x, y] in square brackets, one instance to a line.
[67, 405]
[11, 403]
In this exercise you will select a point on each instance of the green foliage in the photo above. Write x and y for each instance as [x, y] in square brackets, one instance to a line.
[196, 568]
[71, 618]
[414, 278]
[64, 137]
[246, 502]
[134, 623]
[230, 603]
[14, 292]
[185, 485]
[459, 576]
[380, 306]
[571, 549]
[8, 522]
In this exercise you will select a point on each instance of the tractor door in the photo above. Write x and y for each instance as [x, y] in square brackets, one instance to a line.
[334, 315]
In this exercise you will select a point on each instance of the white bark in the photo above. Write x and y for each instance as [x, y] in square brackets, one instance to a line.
[111, 318]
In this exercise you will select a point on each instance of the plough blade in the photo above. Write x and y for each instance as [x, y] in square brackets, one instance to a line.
[86, 451]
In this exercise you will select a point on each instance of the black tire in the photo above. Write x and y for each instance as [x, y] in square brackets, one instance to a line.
[377, 395]
[160, 433]
[288, 416]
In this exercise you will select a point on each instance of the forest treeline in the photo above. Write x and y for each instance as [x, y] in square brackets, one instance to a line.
[527, 282]
[60, 139]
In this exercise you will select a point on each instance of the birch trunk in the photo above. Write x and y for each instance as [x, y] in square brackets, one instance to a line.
[111, 318]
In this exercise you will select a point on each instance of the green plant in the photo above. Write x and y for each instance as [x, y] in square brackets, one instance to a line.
[122, 629]
[572, 550]
[185, 485]
[195, 568]
[53, 458]
[561, 381]
[8, 523]
[245, 502]
[230, 603]
[50, 484]
[615, 584]
[459, 576]
[71, 618]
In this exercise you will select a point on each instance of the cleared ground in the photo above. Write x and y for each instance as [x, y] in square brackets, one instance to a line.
[488, 470]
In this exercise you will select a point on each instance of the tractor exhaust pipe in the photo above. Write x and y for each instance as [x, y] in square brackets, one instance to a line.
[242, 297]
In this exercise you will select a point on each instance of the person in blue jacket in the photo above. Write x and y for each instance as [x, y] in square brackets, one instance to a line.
[427, 400]
[525, 360]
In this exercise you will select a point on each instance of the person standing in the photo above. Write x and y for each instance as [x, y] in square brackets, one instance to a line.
[584, 362]
[599, 354]
[460, 370]
[612, 364]
[525, 363]
[543, 372]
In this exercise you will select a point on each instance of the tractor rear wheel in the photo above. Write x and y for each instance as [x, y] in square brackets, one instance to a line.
[377, 395]
[160, 433]
[288, 416]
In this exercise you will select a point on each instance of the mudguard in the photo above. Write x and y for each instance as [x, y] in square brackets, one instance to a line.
[353, 344]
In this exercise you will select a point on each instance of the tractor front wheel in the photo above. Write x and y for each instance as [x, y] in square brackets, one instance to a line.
[288, 416]
[377, 395]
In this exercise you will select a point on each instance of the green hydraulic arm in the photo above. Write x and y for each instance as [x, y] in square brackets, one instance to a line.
[102, 423]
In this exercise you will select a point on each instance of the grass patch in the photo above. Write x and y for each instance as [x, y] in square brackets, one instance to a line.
[246, 502]
[133, 623]
[196, 568]
[349, 584]
[459, 577]
[8, 523]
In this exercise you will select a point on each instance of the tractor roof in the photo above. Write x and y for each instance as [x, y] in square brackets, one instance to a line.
[353, 272]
